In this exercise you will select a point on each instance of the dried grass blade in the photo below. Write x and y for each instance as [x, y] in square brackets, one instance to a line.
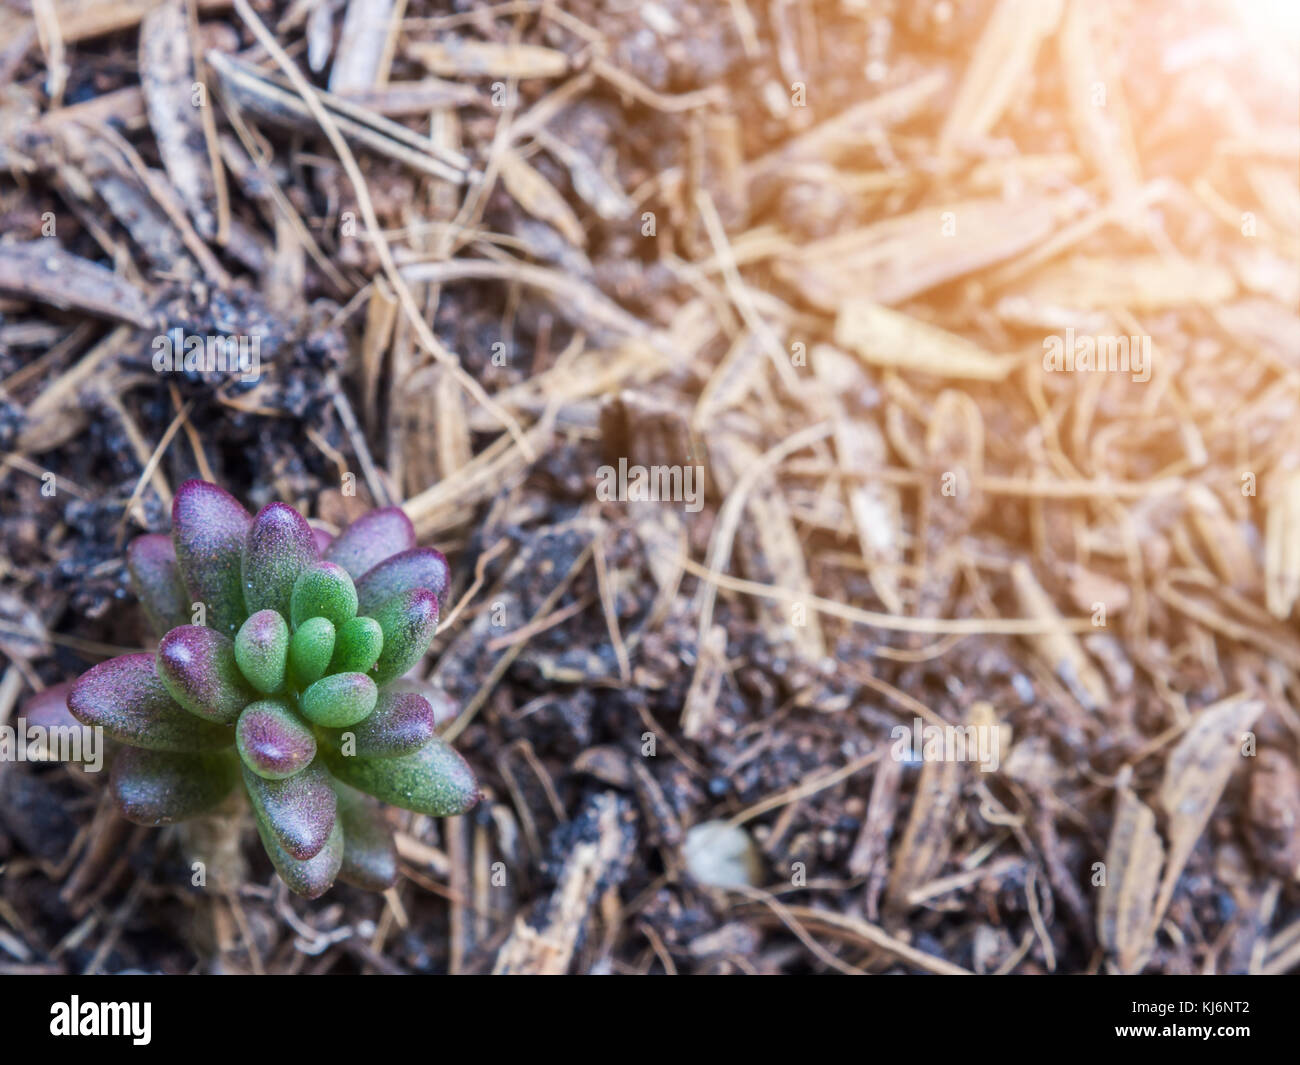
[1126, 904]
[1196, 773]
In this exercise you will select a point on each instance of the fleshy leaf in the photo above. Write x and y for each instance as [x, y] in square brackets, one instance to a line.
[310, 651]
[299, 810]
[126, 697]
[209, 528]
[310, 878]
[422, 567]
[340, 700]
[156, 580]
[272, 741]
[372, 538]
[324, 591]
[434, 780]
[369, 853]
[48, 708]
[445, 708]
[322, 538]
[402, 722]
[357, 646]
[279, 547]
[198, 667]
[262, 650]
[409, 621]
[163, 787]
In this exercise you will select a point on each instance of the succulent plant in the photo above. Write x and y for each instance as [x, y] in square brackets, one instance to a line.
[289, 684]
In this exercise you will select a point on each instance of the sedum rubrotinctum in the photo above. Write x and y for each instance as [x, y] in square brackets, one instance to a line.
[292, 687]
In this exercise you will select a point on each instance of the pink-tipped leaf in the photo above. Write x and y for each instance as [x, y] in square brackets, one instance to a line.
[279, 547]
[156, 581]
[198, 666]
[372, 538]
[128, 700]
[209, 529]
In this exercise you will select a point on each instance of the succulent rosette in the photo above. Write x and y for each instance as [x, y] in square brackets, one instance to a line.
[287, 687]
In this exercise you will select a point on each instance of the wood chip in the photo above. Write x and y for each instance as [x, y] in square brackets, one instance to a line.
[1232, 557]
[1139, 282]
[538, 196]
[40, 270]
[1126, 902]
[363, 40]
[1002, 64]
[706, 683]
[929, 834]
[1282, 547]
[595, 861]
[1059, 649]
[415, 98]
[1196, 773]
[846, 132]
[1094, 90]
[861, 449]
[884, 337]
[897, 258]
[167, 80]
[81, 20]
[463, 58]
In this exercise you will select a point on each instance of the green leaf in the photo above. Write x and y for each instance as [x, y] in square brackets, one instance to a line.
[402, 722]
[434, 780]
[357, 646]
[310, 651]
[310, 878]
[279, 547]
[198, 666]
[162, 787]
[340, 700]
[409, 621]
[422, 567]
[262, 650]
[272, 741]
[323, 591]
[369, 852]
